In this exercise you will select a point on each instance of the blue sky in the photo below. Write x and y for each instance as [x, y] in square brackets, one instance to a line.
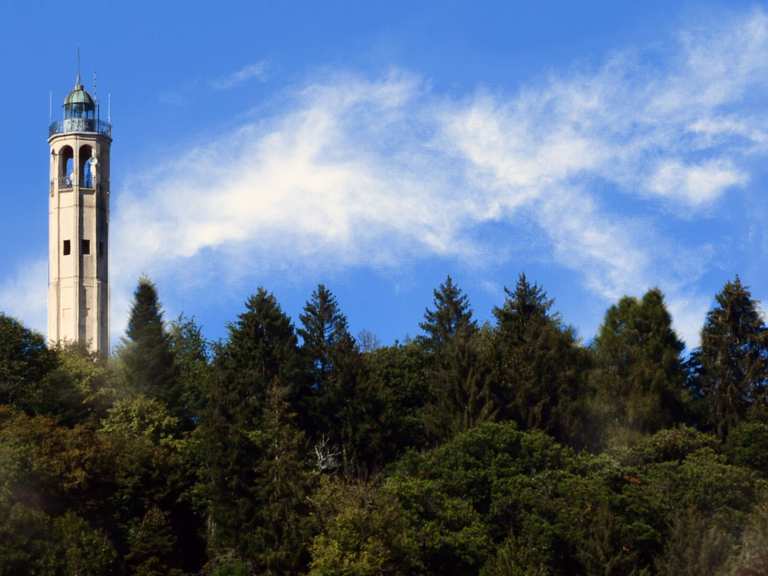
[601, 147]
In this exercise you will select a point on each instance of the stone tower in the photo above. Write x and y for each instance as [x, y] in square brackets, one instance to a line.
[78, 229]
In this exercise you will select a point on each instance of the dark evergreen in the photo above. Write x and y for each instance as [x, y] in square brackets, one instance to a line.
[150, 365]
[639, 375]
[459, 365]
[323, 331]
[450, 318]
[276, 541]
[733, 358]
[192, 354]
[335, 396]
[541, 369]
[443, 455]
[261, 351]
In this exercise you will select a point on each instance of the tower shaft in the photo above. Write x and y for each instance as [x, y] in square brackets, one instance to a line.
[78, 273]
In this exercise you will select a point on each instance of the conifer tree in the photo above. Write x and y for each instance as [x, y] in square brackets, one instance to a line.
[733, 358]
[459, 367]
[524, 308]
[324, 329]
[334, 399]
[451, 317]
[639, 377]
[147, 355]
[540, 366]
[192, 355]
[261, 351]
[280, 534]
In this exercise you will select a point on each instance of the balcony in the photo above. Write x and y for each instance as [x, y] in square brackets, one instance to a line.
[88, 125]
[67, 183]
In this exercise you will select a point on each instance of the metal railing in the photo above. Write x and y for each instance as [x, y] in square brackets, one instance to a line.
[80, 125]
[67, 182]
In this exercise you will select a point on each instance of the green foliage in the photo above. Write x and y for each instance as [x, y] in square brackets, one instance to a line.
[150, 366]
[450, 319]
[24, 363]
[364, 531]
[277, 535]
[751, 556]
[150, 545]
[84, 551]
[460, 366]
[261, 352]
[639, 376]
[455, 453]
[541, 371]
[191, 353]
[747, 445]
[733, 359]
[335, 397]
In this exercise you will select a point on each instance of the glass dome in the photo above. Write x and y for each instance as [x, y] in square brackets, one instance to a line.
[81, 114]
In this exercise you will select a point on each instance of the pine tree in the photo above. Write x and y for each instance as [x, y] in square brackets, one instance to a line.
[147, 355]
[639, 375]
[261, 351]
[540, 366]
[192, 354]
[451, 317]
[280, 534]
[733, 358]
[324, 329]
[334, 400]
[524, 308]
[459, 369]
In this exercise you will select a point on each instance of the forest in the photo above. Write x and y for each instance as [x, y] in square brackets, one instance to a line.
[503, 448]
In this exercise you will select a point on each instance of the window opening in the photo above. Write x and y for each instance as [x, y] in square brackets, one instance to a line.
[85, 246]
[67, 248]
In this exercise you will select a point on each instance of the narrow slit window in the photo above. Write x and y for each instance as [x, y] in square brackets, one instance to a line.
[85, 247]
[67, 248]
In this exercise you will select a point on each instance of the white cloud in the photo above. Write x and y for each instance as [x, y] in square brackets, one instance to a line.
[696, 184]
[360, 172]
[255, 71]
[25, 295]
[353, 171]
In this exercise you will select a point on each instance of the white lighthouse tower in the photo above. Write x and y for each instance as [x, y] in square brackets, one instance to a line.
[78, 266]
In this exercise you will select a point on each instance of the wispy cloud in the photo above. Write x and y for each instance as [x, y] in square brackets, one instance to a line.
[356, 171]
[370, 172]
[25, 295]
[255, 71]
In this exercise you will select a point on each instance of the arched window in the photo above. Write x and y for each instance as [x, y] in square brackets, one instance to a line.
[66, 167]
[86, 175]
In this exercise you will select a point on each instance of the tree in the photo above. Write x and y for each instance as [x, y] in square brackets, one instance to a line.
[24, 363]
[324, 329]
[278, 536]
[639, 375]
[524, 308]
[451, 317]
[458, 369]
[341, 404]
[192, 354]
[261, 351]
[733, 357]
[540, 372]
[149, 361]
